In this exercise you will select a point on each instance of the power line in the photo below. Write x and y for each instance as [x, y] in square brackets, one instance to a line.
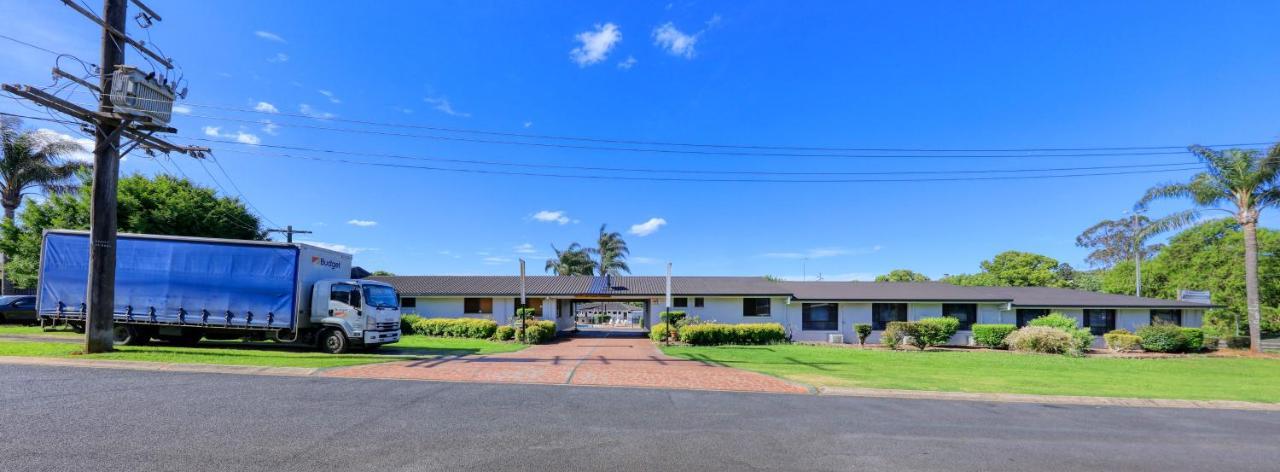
[676, 143]
[717, 180]
[24, 43]
[672, 171]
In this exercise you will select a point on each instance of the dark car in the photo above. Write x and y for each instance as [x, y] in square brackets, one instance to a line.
[18, 308]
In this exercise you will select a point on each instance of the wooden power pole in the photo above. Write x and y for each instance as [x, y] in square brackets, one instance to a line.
[137, 109]
[106, 170]
[288, 232]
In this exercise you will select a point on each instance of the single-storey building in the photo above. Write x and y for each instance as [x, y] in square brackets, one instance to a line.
[810, 311]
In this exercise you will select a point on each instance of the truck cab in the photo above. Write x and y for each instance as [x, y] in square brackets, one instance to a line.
[354, 313]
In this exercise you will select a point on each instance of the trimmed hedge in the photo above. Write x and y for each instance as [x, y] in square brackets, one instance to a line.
[455, 327]
[710, 334]
[659, 332]
[537, 332]
[1195, 339]
[992, 335]
[863, 330]
[1055, 320]
[894, 333]
[504, 333]
[406, 323]
[1123, 341]
[931, 332]
[1164, 338]
[1042, 339]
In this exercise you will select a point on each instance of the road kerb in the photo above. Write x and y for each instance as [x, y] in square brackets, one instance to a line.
[1048, 399]
[161, 366]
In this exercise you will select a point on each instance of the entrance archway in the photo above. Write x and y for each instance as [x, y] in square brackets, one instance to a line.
[620, 316]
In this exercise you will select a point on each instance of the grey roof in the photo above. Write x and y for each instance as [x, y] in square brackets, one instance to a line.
[651, 286]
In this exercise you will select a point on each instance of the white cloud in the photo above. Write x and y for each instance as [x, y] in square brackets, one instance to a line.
[266, 108]
[443, 106]
[528, 124]
[362, 223]
[182, 109]
[675, 41]
[314, 113]
[329, 95]
[86, 145]
[644, 260]
[822, 252]
[279, 57]
[842, 277]
[525, 248]
[407, 111]
[270, 127]
[595, 44]
[449, 254]
[269, 36]
[338, 247]
[547, 216]
[239, 136]
[648, 227]
[495, 260]
[627, 63]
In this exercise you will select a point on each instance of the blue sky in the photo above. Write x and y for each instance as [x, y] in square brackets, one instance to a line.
[971, 75]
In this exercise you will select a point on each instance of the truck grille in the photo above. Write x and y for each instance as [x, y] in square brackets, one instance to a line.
[386, 326]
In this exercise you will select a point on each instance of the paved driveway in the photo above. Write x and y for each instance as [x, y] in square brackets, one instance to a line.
[601, 359]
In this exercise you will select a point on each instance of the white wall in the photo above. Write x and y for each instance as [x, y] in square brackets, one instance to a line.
[452, 307]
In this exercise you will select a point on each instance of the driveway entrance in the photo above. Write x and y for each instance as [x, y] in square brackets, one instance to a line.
[594, 358]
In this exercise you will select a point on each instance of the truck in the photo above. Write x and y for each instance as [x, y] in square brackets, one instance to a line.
[181, 289]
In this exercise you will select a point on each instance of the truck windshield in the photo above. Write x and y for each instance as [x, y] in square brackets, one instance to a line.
[381, 297]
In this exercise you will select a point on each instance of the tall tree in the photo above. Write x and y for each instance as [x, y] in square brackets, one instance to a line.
[573, 260]
[1244, 182]
[163, 205]
[1018, 269]
[33, 161]
[612, 252]
[902, 275]
[1124, 239]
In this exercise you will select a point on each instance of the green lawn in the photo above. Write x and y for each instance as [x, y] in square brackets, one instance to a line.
[1192, 378]
[33, 330]
[257, 354]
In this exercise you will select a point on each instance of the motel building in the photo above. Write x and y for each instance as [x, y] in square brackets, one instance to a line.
[810, 311]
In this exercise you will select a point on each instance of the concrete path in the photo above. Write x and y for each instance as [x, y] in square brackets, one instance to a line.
[602, 359]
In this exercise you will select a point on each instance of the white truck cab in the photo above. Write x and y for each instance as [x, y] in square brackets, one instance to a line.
[355, 312]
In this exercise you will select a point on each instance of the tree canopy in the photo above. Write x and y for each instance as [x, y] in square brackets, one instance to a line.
[163, 205]
[1018, 269]
[573, 260]
[902, 275]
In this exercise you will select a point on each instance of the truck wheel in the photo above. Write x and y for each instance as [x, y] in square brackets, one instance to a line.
[129, 336]
[333, 341]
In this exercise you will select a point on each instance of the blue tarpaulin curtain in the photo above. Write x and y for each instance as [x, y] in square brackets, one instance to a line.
[172, 274]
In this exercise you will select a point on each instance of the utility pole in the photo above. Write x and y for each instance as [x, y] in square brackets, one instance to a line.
[1135, 245]
[131, 104]
[106, 167]
[288, 232]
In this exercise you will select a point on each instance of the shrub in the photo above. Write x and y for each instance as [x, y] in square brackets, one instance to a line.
[1042, 339]
[1238, 342]
[660, 332]
[710, 334]
[537, 332]
[1055, 320]
[504, 333]
[456, 327]
[526, 314]
[1211, 343]
[1195, 339]
[1081, 341]
[992, 335]
[1123, 342]
[931, 332]
[893, 334]
[406, 323]
[863, 331]
[1163, 338]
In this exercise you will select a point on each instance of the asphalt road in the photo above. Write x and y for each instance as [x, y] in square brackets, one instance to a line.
[57, 418]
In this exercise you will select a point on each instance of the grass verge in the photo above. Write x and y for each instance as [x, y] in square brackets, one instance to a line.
[267, 355]
[1188, 378]
[7, 329]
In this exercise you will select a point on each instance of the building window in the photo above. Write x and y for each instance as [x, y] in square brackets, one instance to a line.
[883, 313]
[1100, 321]
[1173, 317]
[698, 302]
[477, 306]
[967, 313]
[408, 302]
[820, 317]
[680, 302]
[755, 307]
[534, 303]
[1025, 315]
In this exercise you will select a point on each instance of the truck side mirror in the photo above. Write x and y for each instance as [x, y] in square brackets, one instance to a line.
[355, 299]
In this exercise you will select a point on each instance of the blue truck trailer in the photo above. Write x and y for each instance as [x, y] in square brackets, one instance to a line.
[184, 289]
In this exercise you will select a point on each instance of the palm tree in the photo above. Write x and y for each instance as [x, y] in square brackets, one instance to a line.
[1245, 182]
[613, 253]
[574, 260]
[32, 161]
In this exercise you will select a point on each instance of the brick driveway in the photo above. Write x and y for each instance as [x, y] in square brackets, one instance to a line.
[586, 359]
